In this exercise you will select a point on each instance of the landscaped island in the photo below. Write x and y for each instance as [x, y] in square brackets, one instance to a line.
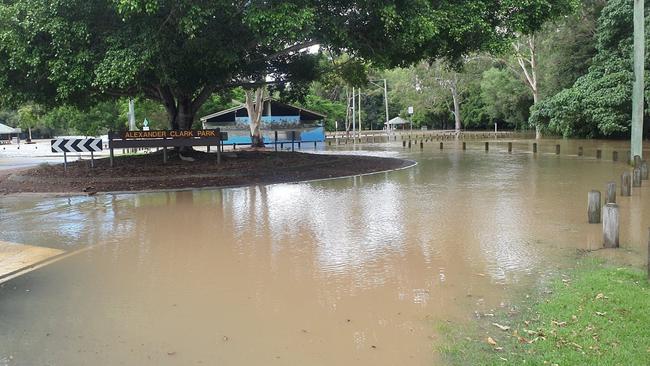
[147, 171]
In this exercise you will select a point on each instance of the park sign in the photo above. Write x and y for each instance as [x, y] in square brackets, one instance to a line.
[166, 139]
[171, 134]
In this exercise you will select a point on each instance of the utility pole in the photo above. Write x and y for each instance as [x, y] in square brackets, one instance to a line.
[359, 112]
[386, 102]
[637, 90]
[354, 108]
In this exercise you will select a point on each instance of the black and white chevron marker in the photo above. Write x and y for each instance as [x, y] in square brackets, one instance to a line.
[76, 145]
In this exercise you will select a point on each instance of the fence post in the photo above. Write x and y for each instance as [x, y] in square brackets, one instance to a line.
[610, 195]
[275, 135]
[510, 147]
[599, 154]
[610, 225]
[626, 184]
[615, 156]
[644, 170]
[534, 147]
[557, 149]
[580, 151]
[293, 139]
[636, 177]
[487, 146]
[593, 207]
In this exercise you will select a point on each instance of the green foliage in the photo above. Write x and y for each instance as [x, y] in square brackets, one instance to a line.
[79, 52]
[505, 98]
[598, 103]
[595, 316]
[334, 110]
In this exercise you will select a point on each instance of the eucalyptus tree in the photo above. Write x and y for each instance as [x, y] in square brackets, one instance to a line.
[179, 52]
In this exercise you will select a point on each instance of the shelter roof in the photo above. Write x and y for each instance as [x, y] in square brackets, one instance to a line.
[282, 109]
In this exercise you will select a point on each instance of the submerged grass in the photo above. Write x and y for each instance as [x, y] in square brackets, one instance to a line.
[594, 315]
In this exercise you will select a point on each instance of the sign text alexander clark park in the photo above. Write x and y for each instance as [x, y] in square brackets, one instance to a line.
[173, 134]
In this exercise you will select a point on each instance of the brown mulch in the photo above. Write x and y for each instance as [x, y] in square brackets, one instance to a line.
[147, 171]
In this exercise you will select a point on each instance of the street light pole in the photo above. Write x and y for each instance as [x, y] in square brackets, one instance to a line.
[386, 101]
[637, 90]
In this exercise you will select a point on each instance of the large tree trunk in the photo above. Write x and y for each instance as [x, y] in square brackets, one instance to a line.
[255, 108]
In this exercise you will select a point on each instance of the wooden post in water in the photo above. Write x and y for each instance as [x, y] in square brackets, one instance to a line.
[409, 144]
[441, 145]
[464, 146]
[626, 184]
[487, 146]
[421, 144]
[610, 193]
[599, 154]
[644, 170]
[615, 156]
[534, 148]
[593, 207]
[580, 151]
[557, 149]
[403, 143]
[509, 147]
[637, 161]
[636, 177]
[610, 225]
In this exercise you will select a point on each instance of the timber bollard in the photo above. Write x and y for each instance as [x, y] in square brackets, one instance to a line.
[534, 147]
[644, 170]
[615, 156]
[580, 151]
[487, 146]
[464, 146]
[441, 145]
[315, 145]
[409, 144]
[610, 225]
[557, 149]
[626, 184]
[610, 193]
[593, 207]
[509, 147]
[599, 154]
[403, 143]
[636, 177]
[421, 145]
[637, 161]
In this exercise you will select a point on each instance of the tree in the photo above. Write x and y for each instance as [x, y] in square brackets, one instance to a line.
[29, 116]
[598, 103]
[180, 52]
[505, 98]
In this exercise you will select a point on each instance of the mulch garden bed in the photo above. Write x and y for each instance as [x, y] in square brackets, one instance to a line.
[147, 171]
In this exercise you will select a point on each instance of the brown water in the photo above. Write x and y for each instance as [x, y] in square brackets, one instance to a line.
[353, 271]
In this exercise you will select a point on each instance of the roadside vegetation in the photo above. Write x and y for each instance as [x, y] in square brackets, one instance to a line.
[596, 314]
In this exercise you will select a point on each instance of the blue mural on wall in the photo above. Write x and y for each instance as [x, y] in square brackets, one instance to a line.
[239, 131]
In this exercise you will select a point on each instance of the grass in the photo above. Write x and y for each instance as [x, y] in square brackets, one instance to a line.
[594, 315]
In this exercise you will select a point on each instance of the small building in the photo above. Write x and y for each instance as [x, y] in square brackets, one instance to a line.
[6, 133]
[277, 117]
[396, 123]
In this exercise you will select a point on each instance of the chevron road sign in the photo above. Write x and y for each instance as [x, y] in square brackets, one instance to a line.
[76, 145]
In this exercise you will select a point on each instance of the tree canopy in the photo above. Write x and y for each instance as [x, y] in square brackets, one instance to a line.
[180, 52]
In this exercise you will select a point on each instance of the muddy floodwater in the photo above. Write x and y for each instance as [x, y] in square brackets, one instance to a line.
[351, 271]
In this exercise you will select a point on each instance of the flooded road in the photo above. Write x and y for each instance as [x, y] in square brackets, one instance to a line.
[352, 271]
